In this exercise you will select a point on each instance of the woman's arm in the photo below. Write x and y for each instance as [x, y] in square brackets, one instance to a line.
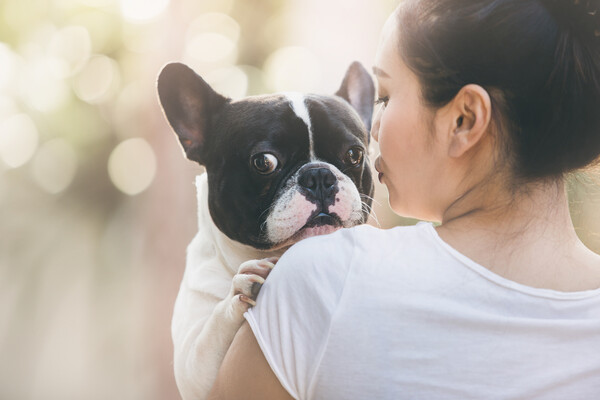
[293, 316]
[245, 373]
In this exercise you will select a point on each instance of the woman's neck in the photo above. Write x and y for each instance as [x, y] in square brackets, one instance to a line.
[526, 236]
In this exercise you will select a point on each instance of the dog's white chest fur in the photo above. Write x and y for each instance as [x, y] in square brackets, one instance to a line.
[314, 197]
[212, 258]
[212, 261]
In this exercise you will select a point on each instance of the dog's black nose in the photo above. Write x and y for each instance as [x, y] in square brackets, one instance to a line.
[320, 182]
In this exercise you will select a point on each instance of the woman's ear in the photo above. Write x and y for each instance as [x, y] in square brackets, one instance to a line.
[471, 111]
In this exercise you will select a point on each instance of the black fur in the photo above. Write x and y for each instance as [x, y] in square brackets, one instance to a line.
[223, 135]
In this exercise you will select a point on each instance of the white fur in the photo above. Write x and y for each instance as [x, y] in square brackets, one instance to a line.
[207, 314]
[291, 209]
[298, 104]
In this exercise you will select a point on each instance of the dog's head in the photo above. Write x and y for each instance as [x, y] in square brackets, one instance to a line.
[280, 167]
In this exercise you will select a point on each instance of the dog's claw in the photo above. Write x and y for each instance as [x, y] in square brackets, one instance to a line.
[266, 263]
[272, 260]
[248, 282]
[247, 299]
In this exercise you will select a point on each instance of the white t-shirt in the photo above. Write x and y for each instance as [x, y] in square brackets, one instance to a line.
[366, 313]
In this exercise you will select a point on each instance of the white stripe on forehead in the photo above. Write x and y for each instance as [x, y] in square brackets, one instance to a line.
[298, 104]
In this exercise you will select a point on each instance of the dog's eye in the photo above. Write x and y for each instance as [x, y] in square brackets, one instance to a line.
[354, 156]
[265, 163]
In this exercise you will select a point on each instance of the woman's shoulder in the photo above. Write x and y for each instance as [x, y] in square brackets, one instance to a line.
[367, 236]
[422, 232]
[361, 245]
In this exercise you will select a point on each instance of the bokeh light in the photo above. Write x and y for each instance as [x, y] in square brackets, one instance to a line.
[132, 166]
[18, 140]
[98, 3]
[211, 42]
[210, 47]
[229, 81]
[54, 165]
[129, 109]
[8, 69]
[104, 31]
[41, 85]
[73, 46]
[90, 262]
[8, 107]
[98, 80]
[142, 38]
[293, 69]
[142, 10]
[214, 22]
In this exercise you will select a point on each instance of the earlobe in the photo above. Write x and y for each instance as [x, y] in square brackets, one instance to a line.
[471, 108]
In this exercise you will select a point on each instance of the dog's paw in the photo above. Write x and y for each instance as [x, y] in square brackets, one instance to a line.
[249, 279]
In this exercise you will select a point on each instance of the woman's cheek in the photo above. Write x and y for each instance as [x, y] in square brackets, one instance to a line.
[375, 126]
[386, 134]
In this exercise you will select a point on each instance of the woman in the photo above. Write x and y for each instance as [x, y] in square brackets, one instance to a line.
[485, 106]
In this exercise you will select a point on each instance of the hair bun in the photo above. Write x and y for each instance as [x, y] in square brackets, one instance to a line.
[581, 16]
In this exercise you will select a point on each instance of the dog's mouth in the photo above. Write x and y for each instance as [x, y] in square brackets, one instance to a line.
[298, 213]
[321, 219]
[320, 223]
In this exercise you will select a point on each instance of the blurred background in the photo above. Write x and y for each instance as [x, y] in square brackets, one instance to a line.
[97, 202]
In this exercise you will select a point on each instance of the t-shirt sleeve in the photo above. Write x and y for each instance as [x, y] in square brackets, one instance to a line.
[296, 305]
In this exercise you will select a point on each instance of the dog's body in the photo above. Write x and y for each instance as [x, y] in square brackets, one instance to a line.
[204, 324]
[279, 168]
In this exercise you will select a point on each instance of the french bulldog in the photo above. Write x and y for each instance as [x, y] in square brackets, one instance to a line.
[279, 168]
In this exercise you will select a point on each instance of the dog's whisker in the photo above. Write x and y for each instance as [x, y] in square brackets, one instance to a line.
[292, 210]
[371, 198]
[263, 225]
[366, 198]
[370, 211]
[366, 207]
[267, 210]
[374, 216]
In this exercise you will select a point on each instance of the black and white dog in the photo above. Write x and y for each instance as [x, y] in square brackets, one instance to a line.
[279, 168]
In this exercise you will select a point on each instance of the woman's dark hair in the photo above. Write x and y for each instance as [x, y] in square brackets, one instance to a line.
[538, 59]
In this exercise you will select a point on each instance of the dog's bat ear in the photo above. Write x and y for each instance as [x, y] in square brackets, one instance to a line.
[189, 103]
[358, 89]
